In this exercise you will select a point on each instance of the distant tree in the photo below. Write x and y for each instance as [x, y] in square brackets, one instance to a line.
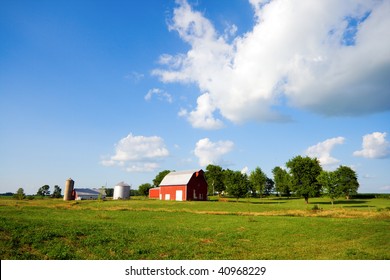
[144, 189]
[57, 192]
[269, 186]
[347, 180]
[44, 190]
[7, 194]
[159, 177]
[109, 192]
[214, 178]
[258, 179]
[330, 186]
[282, 181]
[236, 183]
[134, 192]
[20, 194]
[304, 172]
[102, 193]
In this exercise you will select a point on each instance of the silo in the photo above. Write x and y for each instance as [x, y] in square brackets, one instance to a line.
[121, 191]
[69, 184]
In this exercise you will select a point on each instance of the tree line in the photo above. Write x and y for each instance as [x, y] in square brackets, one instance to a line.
[43, 191]
[302, 177]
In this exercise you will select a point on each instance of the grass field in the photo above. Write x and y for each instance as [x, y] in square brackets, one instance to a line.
[150, 229]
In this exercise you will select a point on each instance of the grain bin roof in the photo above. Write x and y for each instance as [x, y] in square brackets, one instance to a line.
[177, 178]
[122, 184]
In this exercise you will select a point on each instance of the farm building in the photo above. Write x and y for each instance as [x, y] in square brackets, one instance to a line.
[121, 191]
[69, 189]
[88, 194]
[154, 193]
[183, 185]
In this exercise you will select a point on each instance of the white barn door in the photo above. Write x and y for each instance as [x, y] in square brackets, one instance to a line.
[179, 195]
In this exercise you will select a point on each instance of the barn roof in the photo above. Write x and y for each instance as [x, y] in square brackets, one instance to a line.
[178, 178]
[86, 192]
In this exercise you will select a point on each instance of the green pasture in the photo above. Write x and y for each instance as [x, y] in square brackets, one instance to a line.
[151, 229]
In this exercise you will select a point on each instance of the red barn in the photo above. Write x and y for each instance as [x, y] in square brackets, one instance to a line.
[183, 185]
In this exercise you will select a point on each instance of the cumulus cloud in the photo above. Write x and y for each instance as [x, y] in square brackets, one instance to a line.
[210, 152]
[203, 116]
[137, 153]
[245, 170]
[323, 149]
[135, 76]
[161, 95]
[329, 56]
[374, 145]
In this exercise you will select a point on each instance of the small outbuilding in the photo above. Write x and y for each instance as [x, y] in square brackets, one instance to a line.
[88, 194]
[154, 193]
[182, 185]
[121, 191]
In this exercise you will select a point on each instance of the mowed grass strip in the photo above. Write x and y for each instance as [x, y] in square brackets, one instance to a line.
[170, 230]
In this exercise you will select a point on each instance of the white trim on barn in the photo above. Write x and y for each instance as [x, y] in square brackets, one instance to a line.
[179, 195]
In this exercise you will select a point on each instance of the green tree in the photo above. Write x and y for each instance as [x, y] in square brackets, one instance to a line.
[258, 179]
[57, 192]
[282, 181]
[347, 180]
[109, 191]
[304, 172]
[44, 190]
[134, 192]
[20, 194]
[159, 177]
[236, 183]
[214, 178]
[269, 186]
[329, 183]
[144, 189]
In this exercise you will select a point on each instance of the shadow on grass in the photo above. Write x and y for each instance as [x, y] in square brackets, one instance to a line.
[360, 206]
[343, 202]
[254, 202]
[264, 202]
[287, 198]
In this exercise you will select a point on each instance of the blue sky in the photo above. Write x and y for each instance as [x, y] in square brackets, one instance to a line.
[104, 91]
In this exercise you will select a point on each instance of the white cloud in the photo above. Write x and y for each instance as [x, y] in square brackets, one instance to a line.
[137, 153]
[202, 117]
[135, 76]
[161, 95]
[368, 176]
[374, 145]
[323, 149]
[330, 56]
[385, 188]
[245, 170]
[210, 152]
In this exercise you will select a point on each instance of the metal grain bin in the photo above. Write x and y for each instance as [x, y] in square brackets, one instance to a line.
[121, 191]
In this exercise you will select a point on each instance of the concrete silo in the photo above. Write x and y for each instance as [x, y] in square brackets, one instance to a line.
[121, 191]
[69, 186]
